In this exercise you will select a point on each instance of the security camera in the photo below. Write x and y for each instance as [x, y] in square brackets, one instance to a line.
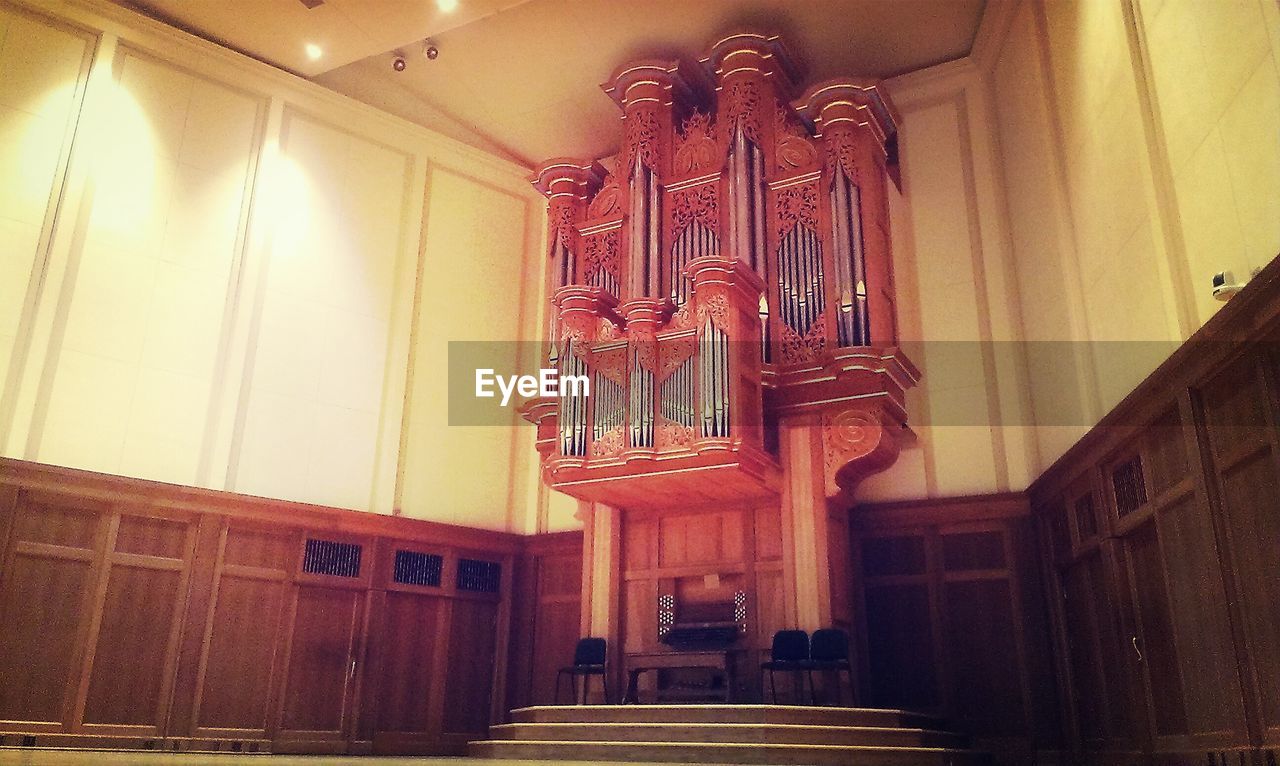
[398, 63]
[429, 50]
[1224, 286]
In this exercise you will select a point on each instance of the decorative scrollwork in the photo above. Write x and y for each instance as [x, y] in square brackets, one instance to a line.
[642, 137]
[672, 434]
[608, 331]
[673, 353]
[700, 203]
[716, 306]
[795, 150]
[695, 146]
[797, 204]
[562, 229]
[608, 200]
[841, 144]
[849, 435]
[797, 349]
[600, 252]
[609, 444]
[742, 110]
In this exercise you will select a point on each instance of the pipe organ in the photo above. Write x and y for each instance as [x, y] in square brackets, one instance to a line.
[725, 282]
[727, 271]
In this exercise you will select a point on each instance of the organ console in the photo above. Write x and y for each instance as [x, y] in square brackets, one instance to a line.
[725, 282]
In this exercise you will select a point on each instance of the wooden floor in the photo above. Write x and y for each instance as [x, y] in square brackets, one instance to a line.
[15, 757]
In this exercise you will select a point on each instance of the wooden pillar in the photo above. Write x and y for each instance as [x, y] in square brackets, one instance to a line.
[601, 583]
[804, 522]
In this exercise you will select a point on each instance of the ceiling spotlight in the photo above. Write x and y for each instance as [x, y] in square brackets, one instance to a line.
[398, 63]
[314, 52]
[429, 50]
[448, 6]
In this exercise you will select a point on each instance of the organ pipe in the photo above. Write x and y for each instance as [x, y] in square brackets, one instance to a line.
[713, 362]
[573, 409]
[641, 403]
[852, 322]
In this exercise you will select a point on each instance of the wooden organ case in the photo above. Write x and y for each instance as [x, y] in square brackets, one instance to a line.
[725, 283]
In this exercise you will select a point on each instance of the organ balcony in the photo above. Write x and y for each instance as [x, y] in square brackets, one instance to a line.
[726, 275]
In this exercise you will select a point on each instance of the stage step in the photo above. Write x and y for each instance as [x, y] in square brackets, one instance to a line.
[742, 734]
[793, 714]
[721, 752]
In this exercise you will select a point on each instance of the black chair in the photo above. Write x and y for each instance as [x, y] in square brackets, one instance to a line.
[588, 660]
[829, 651]
[790, 651]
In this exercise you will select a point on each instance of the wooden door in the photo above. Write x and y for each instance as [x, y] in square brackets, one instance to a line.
[410, 653]
[245, 625]
[46, 598]
[469, 666]
[1241, 426]
[316, 712]
[133, 642]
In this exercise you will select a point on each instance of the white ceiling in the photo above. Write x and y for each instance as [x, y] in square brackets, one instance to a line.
[521, 77]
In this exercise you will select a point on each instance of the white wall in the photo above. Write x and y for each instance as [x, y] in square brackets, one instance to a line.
[1140, 151]
[958, 304]
[211, 273]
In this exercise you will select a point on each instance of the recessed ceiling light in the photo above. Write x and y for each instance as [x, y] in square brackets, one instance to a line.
[448, 6]
[313, 51]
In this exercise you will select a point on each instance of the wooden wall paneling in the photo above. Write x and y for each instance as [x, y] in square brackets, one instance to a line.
[1240, 429]
[470, 669]
[52, 561]
[521, 671]
[982, 630]
[324, 635]
[134, 645]
[502, 645]
[180, 618]
[206, 554]
[238, 686]
[317, 701]
[555, 627]
[546, 598]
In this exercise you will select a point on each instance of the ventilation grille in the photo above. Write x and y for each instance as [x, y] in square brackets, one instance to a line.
[327, 557]
[1130, 488]
[479, 576]
[414, 568]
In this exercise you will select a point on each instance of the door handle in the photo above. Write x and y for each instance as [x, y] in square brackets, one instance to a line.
[1134, 641]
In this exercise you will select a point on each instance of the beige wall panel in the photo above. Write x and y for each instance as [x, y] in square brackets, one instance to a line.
[41, 69]
[145, 313]
[471, 258]
[338, 205]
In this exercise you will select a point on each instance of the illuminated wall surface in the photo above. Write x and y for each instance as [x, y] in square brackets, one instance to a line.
[208, 272]
[212, 273]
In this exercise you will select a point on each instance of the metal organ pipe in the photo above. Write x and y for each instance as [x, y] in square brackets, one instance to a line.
[652, 274]
[846, 217]
[641, 403]
[713, 362]
[695, 241]
[757, 211]
[573, 410]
